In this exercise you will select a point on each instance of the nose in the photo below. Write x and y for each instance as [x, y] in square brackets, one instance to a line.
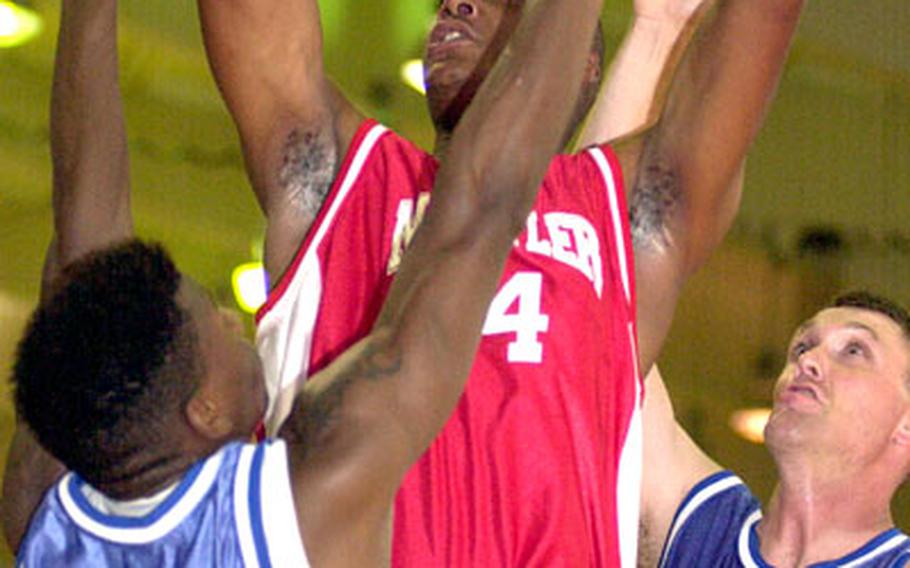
[809, 365]
[460, 8]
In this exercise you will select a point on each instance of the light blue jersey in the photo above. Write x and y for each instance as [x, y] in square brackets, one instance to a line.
[715, 527]
[234, 508]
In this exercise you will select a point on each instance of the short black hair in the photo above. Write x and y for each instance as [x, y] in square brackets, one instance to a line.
[106, 361]
[866, 300]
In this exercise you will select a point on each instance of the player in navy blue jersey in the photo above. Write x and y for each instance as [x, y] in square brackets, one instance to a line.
[839, 434]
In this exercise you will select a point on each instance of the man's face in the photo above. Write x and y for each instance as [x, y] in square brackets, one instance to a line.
[844, 388]
[233, 370]
[461, 49]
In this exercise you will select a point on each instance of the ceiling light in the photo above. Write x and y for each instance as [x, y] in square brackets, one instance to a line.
[249, 284]
[412, 75]
[749, 423]
[18, 23]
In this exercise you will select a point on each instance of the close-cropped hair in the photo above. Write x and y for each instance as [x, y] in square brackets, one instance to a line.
[866, 300]
[107, 360]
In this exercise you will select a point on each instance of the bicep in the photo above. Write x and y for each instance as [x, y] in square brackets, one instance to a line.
[266, 57]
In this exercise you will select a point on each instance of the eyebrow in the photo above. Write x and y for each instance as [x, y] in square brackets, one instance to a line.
[863, 327]
[856, 325]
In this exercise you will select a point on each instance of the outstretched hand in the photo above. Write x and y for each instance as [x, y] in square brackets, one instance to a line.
[666, 10]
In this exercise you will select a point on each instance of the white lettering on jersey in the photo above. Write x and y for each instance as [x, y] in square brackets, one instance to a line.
[406, 223]
[572, 241]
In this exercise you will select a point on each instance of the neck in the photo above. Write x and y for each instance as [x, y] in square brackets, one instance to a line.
[150, 473]
[815, 516]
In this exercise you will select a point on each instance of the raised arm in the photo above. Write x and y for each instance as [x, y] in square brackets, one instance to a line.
[683, 174]
[90, 201]
[91, 193]
[625, 103]
[362, 423]
[294, 125]
[667, 448]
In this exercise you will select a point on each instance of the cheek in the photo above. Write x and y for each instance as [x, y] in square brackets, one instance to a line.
[874, 407]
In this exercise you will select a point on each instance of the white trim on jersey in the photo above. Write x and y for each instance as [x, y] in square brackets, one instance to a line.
[139, 530]
[264, 510]
[242, 508]
[279, 515]
[745, 550]
[695, 501]
[628, 482]
[628, 486]
[889, 544]
[616, 216]
[285, 332]
[747, 555]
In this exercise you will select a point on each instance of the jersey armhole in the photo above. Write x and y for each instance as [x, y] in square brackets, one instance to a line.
[360, 149]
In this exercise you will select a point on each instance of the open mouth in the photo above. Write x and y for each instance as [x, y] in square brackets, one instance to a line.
[804, 390]
[803, 395]
[445, 36]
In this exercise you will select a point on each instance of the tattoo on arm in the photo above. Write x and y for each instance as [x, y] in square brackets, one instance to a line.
[316, 414]
[308, 169]
[654, 200]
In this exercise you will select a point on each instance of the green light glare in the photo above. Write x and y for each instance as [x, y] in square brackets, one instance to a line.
[18, 25]
[248, 282]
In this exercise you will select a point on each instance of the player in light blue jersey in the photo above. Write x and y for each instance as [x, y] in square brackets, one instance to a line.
[130, 376]
[840, 436]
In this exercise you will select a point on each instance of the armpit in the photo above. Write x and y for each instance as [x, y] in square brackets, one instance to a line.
[308, 168]
[649, 548]
[654, 200]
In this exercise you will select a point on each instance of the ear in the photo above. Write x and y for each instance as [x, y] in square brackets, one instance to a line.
[206, 417]
[901, 434]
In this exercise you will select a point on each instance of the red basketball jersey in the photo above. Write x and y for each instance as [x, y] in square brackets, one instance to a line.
[540, 463]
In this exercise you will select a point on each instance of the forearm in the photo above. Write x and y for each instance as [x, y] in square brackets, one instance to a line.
[88, 135]
[624, 104]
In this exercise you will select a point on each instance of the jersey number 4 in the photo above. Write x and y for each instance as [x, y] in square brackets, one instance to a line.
[525, 319]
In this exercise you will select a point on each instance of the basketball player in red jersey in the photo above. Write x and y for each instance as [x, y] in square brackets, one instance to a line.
[540, 464]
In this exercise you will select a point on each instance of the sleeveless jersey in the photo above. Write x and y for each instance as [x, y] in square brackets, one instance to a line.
[715, 526]
[540, 463]
[231, 509]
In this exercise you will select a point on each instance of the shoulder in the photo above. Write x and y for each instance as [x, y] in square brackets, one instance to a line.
[385, 161]
[710, 520]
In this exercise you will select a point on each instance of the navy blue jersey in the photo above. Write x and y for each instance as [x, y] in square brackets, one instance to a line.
[232, 509]
[715, 526]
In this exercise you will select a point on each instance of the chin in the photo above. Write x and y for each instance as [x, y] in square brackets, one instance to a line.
[785, 430]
